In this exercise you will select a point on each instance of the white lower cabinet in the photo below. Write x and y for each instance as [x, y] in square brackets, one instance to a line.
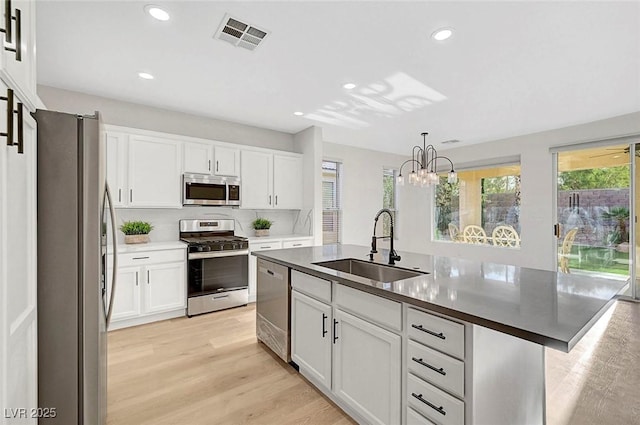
[366, 368]
[311, 337]
[353, 360]
[165, 288]
[126, 299]
[150, 286]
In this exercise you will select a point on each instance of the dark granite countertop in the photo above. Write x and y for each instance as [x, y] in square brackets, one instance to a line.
[547, 308]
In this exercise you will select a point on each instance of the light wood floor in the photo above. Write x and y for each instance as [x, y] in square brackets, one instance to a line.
[207, 370]
[211, 370]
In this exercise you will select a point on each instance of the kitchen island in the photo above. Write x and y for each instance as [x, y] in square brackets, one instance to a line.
[460, 343]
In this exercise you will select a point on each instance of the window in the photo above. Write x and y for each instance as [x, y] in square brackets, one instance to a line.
[331, 205]
[389, 202]
[484, 198]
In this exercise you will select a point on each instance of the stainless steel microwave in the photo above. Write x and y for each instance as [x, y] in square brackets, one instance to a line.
[199, 189]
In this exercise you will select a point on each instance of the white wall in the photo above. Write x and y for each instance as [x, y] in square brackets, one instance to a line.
[361, 189]
[362, 192]
[309, 143]
[149, 118]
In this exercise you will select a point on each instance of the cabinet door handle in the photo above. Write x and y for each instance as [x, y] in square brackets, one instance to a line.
[420, 328]
[324, 328]
[9, 133]
[269, 199]
[217, 166]
[20, 112]
[136, 278]
[276, 199]
[130, 195]
[335, 330]
[431, 405]
[7, 22]
[435, 369]
[139, 258]
[148, 279]
[18, 18]
[119, 195]
[209, 166]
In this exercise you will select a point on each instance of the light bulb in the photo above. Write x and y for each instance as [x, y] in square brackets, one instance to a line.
[452, 177]
[400, 180]
[413, 178]
[422, 172]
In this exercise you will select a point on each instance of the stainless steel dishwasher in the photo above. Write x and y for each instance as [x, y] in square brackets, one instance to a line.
[272, 311]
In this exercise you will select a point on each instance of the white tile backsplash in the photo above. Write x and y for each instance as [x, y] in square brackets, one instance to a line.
[165, 221]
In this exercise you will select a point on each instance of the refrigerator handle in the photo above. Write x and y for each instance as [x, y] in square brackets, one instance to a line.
[112, 213]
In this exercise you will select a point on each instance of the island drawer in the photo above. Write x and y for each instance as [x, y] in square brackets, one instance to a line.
[311, 285]
[436, 332]
[435, 367]
[371, 307]
[435, 404]
[151, 257]
[415, 418]
[264, 246]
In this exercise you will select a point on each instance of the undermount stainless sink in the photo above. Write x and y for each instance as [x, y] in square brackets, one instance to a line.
[373, 271]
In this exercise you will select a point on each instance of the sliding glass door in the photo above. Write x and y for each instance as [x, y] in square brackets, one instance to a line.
[593, 209]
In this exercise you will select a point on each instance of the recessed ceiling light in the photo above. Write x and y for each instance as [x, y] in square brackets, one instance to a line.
[442, 34]
[145, 75]
[349, 86]
[298, 113]
[157, 12]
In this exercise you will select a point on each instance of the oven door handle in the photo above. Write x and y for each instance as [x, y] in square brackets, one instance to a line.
[216, 254]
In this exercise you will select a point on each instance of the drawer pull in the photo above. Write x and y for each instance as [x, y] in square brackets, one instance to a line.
[297, 244]
[9, 132]
[220, 297]
[324, 328]
[431, 405]
[270, 272]
[420, 328]
[140, 258]
[265, 247]
[7, 22]
[435, 369]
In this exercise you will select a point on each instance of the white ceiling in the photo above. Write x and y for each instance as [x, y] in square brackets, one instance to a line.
[511, 68]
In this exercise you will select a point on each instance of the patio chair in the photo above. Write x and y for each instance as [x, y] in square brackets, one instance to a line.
[454, 233]
[474, 234]
[505, 236]
[565, 250]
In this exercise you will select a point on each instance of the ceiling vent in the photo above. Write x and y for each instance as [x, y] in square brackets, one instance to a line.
[240, 33]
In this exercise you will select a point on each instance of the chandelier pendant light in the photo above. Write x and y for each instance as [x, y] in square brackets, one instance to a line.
[424, 163]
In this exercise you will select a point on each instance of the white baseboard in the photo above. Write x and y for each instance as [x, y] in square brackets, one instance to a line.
[125, 323]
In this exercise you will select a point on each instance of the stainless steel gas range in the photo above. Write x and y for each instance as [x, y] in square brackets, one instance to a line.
[217, 265]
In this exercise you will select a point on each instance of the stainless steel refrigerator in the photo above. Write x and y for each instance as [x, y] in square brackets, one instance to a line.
[75, 228]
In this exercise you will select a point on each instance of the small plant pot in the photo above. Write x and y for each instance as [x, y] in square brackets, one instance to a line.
[131, 239]
[262, 232]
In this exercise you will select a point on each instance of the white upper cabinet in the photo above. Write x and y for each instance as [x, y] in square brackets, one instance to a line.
[116, 144]
[227, 161]
[271, 181]
[256, 180]
[205, 158]
[20, 74]
[197, 158]
[287, 182]
[154, 172]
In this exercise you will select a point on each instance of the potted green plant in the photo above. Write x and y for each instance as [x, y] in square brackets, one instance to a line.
[261, 226]
[136, 231]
